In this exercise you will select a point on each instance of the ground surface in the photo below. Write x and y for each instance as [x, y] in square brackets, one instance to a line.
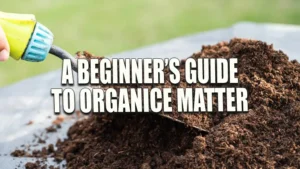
[107, 27]
[265, 137]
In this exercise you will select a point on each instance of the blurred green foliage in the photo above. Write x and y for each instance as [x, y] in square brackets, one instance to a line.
[109, 26]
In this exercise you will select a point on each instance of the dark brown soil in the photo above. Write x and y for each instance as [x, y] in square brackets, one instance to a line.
[266, 137]
[38, 165]
[31, 165]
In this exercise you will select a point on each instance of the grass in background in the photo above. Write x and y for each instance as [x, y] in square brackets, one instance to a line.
[104, 26]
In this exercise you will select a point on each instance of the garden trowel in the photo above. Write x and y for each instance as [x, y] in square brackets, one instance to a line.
[31, 41]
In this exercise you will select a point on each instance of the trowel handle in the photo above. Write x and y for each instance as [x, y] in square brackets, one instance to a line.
[18, 29]
[28, 39]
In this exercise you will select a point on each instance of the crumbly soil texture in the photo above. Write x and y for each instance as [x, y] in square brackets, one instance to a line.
[265, 137]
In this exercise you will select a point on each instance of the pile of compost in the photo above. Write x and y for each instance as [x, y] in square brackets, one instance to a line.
[265, 137]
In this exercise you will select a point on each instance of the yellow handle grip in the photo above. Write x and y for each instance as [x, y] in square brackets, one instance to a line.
[18, 29]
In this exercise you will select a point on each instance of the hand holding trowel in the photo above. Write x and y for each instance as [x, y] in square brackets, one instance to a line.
[31, 41]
